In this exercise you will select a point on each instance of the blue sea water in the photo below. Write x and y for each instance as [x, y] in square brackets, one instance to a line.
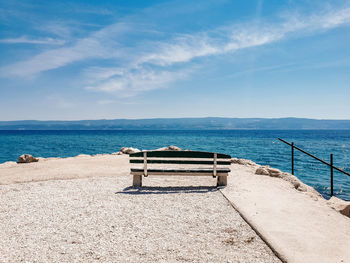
[261, 146]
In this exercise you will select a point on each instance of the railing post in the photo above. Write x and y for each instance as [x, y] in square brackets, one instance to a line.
[292, 158]
[331, 174]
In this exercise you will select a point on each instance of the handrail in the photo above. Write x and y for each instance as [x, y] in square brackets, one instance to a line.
[336, 168]
[318, 159]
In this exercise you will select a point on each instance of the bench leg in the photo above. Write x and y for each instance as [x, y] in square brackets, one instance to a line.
[137, 181]
[222, 181]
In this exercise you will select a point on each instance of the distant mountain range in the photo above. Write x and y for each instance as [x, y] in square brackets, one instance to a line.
[210, 123]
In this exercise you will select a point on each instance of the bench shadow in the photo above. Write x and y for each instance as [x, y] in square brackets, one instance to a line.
[146, 190]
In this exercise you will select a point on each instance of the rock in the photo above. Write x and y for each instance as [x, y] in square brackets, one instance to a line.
[129, 150]
[298, 185]
[162, 149]
[243, 161]
[287, 176]
[235, 160]
[273, 172]
[267, 170]
[262, 171]
[27, 158]
[170, 148]
[174, 148]
[340, 205]
[302, 188]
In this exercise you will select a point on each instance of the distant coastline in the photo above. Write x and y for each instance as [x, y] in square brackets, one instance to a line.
[209, 123]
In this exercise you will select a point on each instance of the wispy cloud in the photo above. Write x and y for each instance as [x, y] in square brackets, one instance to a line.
[181, 49]
[26, 40]
[93, 46]
[148, 64]
[239, 36]
[129, 83]
[186, 48]
[52, 59]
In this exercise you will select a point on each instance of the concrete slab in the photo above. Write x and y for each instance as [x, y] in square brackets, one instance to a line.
[300, 226]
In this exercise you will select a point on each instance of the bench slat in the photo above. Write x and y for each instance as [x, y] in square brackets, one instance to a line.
[219, 170]
[179, 154]
[181, 162]
[181, 174]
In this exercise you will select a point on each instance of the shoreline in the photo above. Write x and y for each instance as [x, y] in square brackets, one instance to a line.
[261, 170]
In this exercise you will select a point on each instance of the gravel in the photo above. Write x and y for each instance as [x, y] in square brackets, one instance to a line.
[103, 219]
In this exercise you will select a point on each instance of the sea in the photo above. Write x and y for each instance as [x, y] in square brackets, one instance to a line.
[260, 146]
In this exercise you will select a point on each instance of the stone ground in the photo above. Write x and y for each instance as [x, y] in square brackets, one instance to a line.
[102, 219]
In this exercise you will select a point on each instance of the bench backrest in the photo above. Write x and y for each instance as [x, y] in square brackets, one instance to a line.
[180, 157]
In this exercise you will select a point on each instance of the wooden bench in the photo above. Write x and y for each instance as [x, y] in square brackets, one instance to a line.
[178, 162]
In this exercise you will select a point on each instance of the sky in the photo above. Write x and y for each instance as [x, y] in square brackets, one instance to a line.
[73, 60]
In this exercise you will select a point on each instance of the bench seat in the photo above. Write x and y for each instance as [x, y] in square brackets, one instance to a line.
[204, 172]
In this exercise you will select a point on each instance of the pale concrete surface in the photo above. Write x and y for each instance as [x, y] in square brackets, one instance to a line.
[299, 226]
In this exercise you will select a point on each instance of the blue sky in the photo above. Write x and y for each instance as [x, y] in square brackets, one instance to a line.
[69, 60]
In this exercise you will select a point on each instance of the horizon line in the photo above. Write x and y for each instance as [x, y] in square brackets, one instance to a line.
[175, 118]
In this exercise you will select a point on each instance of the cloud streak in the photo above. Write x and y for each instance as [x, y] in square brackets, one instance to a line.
[239, 36]
[83, 49]
[148, 65]
[130, 83]
[26, 40]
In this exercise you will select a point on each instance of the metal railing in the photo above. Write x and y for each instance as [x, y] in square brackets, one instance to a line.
[330, 164]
